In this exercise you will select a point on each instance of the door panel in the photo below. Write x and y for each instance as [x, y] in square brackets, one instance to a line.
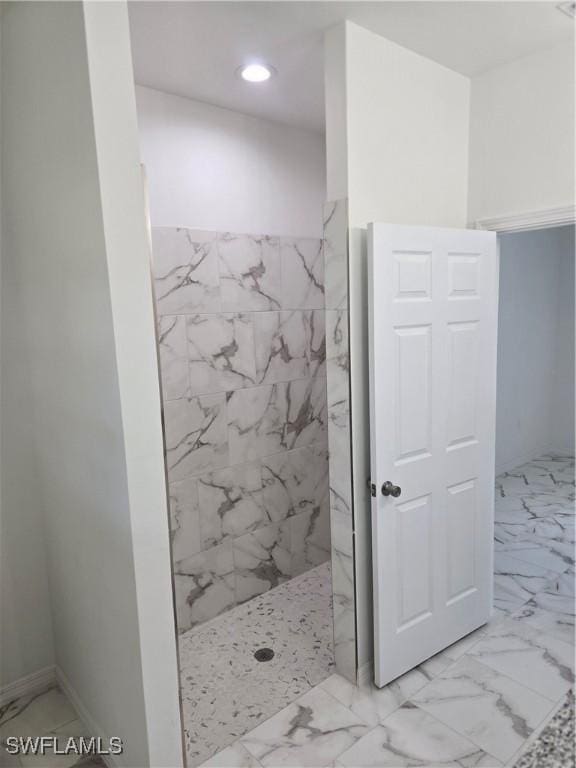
[433, 315]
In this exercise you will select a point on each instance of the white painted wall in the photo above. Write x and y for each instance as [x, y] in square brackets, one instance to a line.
[535, 401]
[81, 343]
[26, 644]
[211, 168]
[564, 416]
[522, 135]
[407, 125]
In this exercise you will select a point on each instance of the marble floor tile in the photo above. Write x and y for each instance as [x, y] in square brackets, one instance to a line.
[474, 704]
[235, 756]
[547, 553]
[36, 714]
[438, 663]
[517, 581]
[313, 731]
[52, 758]
[490, 709]
[550, 613]
[46, 713]
[373, 705]
[225, 691]
[537, 660]
[412, 737]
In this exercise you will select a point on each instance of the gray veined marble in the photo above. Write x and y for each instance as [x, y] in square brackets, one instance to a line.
[289, 345]
[195, 431]
[311, 732]
[231, 503]
[411, 737]
[256, 422]
[262, 560]
[336, 254]
[204, 586]
[373, 705]
[184, 518]
[221, 355]
[516, 581]
[295, 481]
[537, 660]
[250, 272]
[310, 538]
[495, 712]
[305, 414]
[281, 346]
[185, 267]
[173, 356]
[551, 613]
[269, 419]
[341, 521]
[302, 273]
[226, 692]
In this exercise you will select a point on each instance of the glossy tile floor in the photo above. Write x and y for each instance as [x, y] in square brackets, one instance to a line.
[226, 692]
[482, 701]
[47, 713]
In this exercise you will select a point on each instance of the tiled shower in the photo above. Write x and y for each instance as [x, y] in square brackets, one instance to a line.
[243, 363]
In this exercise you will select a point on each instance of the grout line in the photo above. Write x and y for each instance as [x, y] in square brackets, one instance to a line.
[537, 731]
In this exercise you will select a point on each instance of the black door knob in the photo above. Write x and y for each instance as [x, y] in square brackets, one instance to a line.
[389, 489]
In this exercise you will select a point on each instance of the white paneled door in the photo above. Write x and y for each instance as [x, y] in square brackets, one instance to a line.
[433, 322]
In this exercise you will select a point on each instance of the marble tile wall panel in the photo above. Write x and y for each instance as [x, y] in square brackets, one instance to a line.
[262, 560]
[250, 272]
[243, 362]
[173, 356]
[205, 586]
[185, 271]
[336, 254]
[221, 353]
[184, 518]
[302, 273]
[196, 436]
[295, 481]
[338, 412]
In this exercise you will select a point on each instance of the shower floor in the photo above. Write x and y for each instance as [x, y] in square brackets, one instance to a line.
[226, 692]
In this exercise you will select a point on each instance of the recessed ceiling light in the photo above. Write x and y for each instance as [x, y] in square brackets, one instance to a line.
[568, 8]
[256, 73]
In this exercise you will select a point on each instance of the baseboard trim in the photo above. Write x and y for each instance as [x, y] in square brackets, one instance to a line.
[28, 685]
[84, 714]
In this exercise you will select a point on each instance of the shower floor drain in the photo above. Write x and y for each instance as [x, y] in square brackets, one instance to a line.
[264, 654]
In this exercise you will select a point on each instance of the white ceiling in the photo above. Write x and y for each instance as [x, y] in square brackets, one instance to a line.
[194, 48]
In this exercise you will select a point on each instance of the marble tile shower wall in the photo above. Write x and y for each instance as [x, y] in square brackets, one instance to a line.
[243, 363]
[339, 432]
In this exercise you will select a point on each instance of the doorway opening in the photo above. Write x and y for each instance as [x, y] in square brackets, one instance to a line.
[534, 502]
